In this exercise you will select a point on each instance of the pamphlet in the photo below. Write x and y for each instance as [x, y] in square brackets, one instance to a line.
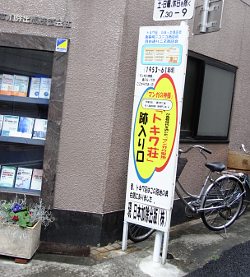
[7, 86]
[23, 178]
[10, 124]
[7, 177]
[36, 181]
[25, 127]
[34, 87]
[1, 122]
[40, 128]
[21, 84]
[45, 88]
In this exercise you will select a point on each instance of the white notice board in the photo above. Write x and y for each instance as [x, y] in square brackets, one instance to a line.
[173, 9]
[160, 77]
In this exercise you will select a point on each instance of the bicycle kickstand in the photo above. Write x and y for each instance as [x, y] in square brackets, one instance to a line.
[225, 231]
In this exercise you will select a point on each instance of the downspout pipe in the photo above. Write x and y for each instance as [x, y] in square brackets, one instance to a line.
[204, 16]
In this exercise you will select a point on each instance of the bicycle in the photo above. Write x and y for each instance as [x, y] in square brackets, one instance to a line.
[219, 202]
[244, 178]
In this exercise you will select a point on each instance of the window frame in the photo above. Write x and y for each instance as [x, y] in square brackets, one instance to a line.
[192, 136]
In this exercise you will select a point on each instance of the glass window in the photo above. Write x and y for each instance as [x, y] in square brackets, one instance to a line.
[193, 77]
[208, 95]
[218, 87]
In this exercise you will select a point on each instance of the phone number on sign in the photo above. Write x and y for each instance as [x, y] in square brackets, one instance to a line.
[159, 69]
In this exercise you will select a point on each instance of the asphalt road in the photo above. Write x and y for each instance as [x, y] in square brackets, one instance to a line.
[232, 263]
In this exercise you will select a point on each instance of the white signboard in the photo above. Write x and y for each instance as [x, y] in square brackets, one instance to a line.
[173, 9]
[160, 76]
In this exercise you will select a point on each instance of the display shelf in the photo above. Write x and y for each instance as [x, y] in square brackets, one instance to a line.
[26, 100]
[21, 191]
[31, 59]
[22, 140]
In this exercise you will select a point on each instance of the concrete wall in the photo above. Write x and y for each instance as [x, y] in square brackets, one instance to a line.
[92, 166]
[89, 105]
[229, 45]
[240, 130]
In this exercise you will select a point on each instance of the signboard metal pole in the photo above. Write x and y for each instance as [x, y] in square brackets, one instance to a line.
[125, 236]
[157, 247]
[165, 243]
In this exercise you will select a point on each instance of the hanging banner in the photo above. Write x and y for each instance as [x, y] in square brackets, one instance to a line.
[158, 97]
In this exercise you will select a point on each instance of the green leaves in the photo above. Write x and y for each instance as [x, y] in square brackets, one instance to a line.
[22, 218]
[20, 213]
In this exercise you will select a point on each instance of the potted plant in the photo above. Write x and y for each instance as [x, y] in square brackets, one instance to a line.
[20, 227]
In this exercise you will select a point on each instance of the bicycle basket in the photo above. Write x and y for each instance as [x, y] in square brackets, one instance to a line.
[180, 166]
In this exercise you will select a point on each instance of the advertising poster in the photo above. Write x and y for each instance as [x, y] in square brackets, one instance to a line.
[158, 97]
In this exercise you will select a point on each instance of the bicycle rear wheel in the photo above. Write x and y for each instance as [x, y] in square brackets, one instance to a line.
[246, 201]
[243, 208]
[138, 233]
[222, 203]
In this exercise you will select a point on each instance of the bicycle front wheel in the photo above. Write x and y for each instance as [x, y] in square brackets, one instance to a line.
[222, 203]
[138, 233]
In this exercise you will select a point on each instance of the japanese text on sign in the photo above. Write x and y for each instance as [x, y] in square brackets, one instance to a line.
[173, 9]
[37, 20]
[162, 55]
[156, 115]
[160, 75]
[147, 214]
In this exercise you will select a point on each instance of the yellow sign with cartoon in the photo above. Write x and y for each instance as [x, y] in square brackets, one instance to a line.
[155, 128]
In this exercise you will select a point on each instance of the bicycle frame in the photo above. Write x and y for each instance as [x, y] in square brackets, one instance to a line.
[180, 190]
[179, 187]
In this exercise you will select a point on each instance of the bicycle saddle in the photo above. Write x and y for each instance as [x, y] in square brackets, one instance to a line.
[216, 166]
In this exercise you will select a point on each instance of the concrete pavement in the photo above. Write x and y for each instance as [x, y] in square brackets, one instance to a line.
[191, 244]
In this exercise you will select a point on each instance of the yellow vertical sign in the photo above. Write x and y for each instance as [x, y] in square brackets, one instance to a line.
[155, 128]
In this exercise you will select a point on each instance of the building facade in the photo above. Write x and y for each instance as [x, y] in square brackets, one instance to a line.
[89, 115]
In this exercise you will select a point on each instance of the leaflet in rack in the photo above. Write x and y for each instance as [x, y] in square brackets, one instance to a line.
[23, 178]
[40, 128]
[7, 84]
[21, 84]
[1, 122]
[7, 176]
[36, 181]
[45, 86]
[25, 127]
[10, 125]
[34, 87]
[16, 85]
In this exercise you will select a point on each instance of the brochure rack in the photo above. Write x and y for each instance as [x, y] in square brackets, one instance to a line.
[26, 62]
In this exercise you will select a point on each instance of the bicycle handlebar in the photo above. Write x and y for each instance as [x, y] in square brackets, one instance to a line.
[202, 148]
[207, 150]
